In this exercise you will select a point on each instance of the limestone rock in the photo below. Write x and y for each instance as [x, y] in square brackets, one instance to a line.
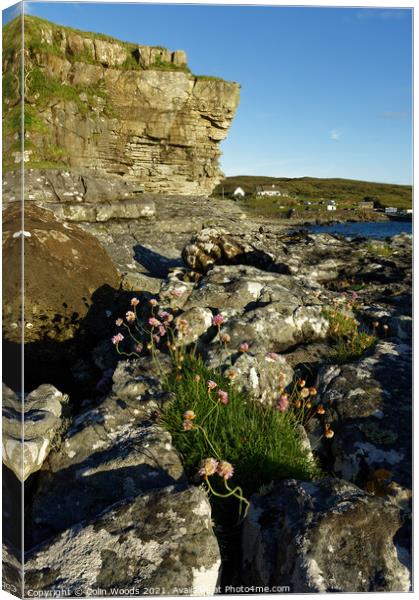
[269, 311]
[30, 427]
[64, 266]
[369, 408]
[198, 320]
[322, 537]
[132, 117]
[110, 453]
[161, 540]
[213, 246]
[259, 375]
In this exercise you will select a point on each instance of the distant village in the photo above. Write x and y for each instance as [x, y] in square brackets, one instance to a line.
[291, 200]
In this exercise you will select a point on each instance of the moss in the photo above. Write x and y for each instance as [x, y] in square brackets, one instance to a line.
[207, 78]
[162, 65]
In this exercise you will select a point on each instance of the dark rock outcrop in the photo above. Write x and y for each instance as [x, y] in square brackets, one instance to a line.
[29, 428]
[161, 541]
[64, 266]
[322, 537]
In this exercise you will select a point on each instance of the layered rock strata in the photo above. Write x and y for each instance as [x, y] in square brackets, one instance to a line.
[118, 109]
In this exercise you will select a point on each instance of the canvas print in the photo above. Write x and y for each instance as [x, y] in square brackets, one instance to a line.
[207, 299]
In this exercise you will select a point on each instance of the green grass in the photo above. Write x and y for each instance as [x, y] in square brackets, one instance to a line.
[261, 443]
[349, 192]
[380, 249]
[349, 342]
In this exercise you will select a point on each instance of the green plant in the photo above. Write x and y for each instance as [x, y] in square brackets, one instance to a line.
[220, 432]
[162, 65]
[349, 341]
[380, 249]
[261, 442]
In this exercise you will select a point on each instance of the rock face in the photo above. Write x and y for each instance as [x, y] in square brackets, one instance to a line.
[324, 537]
[30, 427]
[63, 267]
[161, 540]
[369, 407]
[109, 453]
[76, 197]
[120, 109]
[113, 509]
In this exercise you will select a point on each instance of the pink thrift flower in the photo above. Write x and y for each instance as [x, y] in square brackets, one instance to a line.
[153, 302]
[189, 415]
[225, 469]
[139, 348]
[177, 292]
[119, 322]
[165, 316]
[117, 338]
[218, 320]
[283, 403]
[134, 302]
[162, 331]
[187, 425]
[271, 357]
[154, 322]
[223, 396]
[211, 384]
[130, 316]
[182, 325]
[156, 338]
[208, 467]
[244, 347]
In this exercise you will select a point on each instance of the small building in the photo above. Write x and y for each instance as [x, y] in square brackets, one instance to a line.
[239, 193]
[271, 190]
[390, 210]
[366, 205]
[331, 205]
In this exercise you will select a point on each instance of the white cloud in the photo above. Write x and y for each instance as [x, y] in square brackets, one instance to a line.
[335, 135]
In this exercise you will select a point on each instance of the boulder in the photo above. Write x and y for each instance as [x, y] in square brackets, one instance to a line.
[369, 407]
[270, 311]
[64, 266]
[109, 453]
[161, 542]
[199, 321]
[213, 246]
[260, 375]
[328, 536]
[29, 428]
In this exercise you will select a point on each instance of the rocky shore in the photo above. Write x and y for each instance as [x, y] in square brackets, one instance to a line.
[108, 502]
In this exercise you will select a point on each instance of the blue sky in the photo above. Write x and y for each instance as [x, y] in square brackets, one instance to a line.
[326, 92]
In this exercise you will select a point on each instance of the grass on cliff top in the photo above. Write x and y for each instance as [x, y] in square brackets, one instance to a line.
[34, 43]
[261, 443]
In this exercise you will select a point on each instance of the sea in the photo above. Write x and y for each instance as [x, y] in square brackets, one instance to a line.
[373, 230]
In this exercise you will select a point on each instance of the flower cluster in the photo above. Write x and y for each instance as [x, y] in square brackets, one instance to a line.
[222, 394]
[210, 466]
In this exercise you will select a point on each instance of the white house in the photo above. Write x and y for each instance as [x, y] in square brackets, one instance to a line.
[331, 205]
[271, 190]
[239, 193]
[390, 210]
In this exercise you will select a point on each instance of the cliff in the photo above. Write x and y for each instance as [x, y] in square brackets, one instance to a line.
[98, 105]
